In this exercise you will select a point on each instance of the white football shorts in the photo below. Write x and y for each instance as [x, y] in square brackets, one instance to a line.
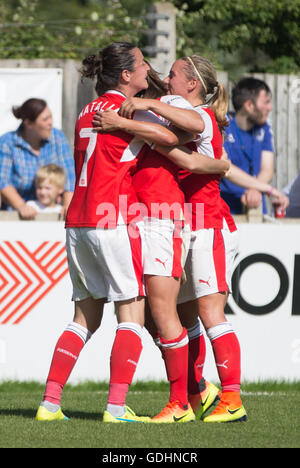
[165, 246]
[209, 263]
[106, 263]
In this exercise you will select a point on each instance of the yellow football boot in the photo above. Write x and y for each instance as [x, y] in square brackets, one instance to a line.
[128, 416]
[45, 415]
[201, 402]
[230, 409]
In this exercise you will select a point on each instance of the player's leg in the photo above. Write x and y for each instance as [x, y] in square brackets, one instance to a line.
[150, 325]
[188, 314]
[200, 281]
[166, 243]
[87, 319]
[123, 254]
[88, 296]
[226, 349]
[201, 393]
[173, 340]
[162, 294]
[224, 341]
[125, 354]
[191, 320]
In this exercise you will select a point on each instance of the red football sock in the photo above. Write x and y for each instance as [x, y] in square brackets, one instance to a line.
[125, 355]
[197, 352]
[64, 359]
[117, 393]
[175, 353]
[227, 354]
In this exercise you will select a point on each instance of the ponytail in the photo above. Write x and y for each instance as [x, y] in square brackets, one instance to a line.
[92, 66]
[219, 105]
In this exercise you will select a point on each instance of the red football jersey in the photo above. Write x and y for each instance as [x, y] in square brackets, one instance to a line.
[156, 185]
[203, 190]
[103, 192]
[156, 178]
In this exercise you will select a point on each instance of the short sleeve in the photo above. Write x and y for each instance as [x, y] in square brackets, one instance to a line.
[176, 101]
[268, 142]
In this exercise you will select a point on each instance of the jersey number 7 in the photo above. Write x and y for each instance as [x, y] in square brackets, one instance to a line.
[129, 153]
[91, 134]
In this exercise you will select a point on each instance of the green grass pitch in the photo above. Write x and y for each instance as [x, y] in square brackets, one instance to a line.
[273, 419]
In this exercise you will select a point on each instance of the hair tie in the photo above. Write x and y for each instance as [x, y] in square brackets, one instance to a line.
[199, 76]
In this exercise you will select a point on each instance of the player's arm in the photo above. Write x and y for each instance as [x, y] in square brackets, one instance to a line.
[186, 119]
[150, 131]
[183, 157]
[194, 162]
[243, 179]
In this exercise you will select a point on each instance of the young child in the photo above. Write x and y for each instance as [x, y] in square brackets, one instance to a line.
[49, 184]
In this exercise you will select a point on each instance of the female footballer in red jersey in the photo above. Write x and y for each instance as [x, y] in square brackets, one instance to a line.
[103, 241]
[213, 247]
[157, 188]
[210, 143]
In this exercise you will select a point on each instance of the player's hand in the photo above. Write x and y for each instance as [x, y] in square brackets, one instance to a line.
[252, 198]
[27, 212]
[129, 106]
[106, 121]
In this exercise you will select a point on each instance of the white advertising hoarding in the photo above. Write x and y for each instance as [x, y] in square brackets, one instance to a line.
[19, 84]
[35, 306]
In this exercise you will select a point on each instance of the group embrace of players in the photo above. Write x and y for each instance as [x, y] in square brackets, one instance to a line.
[144, 151]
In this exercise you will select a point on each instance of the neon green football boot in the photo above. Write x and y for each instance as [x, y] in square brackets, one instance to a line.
[201, 402]
[230, 409]
[45, 415]
[128, 416]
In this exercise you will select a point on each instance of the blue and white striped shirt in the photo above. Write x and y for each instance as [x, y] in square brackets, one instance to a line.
[18, 163]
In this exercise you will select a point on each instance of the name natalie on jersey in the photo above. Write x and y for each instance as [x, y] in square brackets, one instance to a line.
[95, 106]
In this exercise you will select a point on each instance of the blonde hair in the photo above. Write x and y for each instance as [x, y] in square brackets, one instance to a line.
[54, 173]
[212, 93]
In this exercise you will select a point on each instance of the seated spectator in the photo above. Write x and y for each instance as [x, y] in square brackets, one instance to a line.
[49, 186]
[34, 144]
[293, 192]
[279, 200]
[249, 143]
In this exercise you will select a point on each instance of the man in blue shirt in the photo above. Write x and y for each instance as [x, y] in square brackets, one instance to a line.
[249, 143]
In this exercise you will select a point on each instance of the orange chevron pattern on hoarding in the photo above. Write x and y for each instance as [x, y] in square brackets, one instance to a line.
[26, 276]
